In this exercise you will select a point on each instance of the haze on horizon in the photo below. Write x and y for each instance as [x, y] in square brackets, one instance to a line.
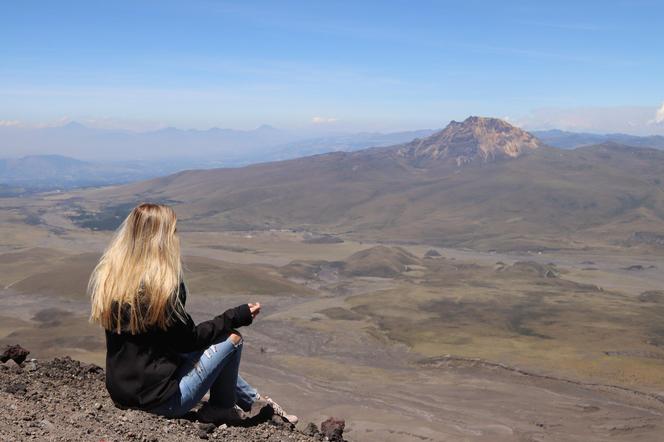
[317, 68]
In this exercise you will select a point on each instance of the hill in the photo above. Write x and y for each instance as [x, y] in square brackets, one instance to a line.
[64, 399]
[379, 261]
[481, 184]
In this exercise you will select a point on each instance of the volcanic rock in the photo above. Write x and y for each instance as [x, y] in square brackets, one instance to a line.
[15, 352]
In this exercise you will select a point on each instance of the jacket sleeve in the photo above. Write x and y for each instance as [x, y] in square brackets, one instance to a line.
[185, 336]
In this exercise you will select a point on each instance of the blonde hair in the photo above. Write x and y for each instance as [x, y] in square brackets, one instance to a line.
[141, 271]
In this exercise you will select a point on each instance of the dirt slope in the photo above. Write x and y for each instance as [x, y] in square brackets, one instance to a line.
[65, 400]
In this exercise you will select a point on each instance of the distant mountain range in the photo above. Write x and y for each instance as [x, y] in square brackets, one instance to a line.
[571, 140]
[481, 183]
[219, 146]
[344, 143]
[106, 157]
[82, 142]
[93, 157]
[47, 172]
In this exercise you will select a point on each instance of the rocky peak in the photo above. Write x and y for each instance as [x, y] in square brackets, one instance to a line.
[476, 138]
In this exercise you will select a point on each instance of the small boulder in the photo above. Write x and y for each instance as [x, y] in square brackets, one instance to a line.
[91, 368]
[47, 425]
[17, 388]
[207, 427]
[30, 366]
[333, 429]
[13, 366]
[15, 352]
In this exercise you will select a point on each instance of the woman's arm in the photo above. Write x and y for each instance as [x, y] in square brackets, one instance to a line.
[186, 336]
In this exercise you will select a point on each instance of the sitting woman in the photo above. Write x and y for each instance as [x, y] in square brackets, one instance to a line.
[157, 359]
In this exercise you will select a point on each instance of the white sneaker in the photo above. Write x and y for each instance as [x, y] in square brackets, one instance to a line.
[278, 410]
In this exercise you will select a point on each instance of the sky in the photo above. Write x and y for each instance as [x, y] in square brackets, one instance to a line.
[311, 65]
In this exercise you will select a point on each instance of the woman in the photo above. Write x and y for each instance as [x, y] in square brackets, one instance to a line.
[157, 359]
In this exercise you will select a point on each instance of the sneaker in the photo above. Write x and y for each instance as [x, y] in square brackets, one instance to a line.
[216, 415]
[278, 410]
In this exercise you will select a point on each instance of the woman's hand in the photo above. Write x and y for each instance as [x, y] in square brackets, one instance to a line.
[255, 309]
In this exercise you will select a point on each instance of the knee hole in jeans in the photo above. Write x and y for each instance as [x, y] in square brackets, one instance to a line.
[235, 338]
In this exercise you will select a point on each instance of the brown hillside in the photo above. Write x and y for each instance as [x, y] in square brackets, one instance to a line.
[413, 192]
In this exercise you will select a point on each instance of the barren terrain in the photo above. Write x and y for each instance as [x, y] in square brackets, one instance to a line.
[466, 345]
[472, 285]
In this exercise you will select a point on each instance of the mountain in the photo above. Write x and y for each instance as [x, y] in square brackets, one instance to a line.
[481, 184]
[46, 172]
[345, 143]
[476, 138]
[116, 157]
[219, 147]
[571, 140]
[77, 140]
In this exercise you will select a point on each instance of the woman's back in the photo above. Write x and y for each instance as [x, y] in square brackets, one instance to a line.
[141, 368]
[157, 359]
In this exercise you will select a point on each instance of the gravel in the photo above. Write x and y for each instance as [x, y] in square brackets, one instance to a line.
[66, 400]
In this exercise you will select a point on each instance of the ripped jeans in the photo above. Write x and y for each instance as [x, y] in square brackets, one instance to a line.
[215, 369]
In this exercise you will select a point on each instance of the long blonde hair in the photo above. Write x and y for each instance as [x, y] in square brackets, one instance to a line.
[140, 271]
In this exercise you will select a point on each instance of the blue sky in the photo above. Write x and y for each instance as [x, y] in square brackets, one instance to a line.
[335, 65]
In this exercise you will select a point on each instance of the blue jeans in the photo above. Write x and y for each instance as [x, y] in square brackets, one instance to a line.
[215, 369]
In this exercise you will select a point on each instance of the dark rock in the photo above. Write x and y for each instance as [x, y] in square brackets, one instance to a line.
[29, 417]
[651, 238]
[652, 296]
[333, 429]
[311, 429]
[323, 239]
[207, 427]
[634, 267]
[15, 352]
[91, 368]
[203, 434]
[18, 388]
[281, 422]
[432, 253]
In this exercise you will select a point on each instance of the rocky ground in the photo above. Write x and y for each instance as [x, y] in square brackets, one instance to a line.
[65, 400]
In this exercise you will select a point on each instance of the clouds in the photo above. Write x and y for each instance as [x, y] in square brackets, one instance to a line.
[659, 116]
[637, 120]
[323, 120]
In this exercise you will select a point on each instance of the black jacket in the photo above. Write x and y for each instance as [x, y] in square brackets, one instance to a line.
[141, 369]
